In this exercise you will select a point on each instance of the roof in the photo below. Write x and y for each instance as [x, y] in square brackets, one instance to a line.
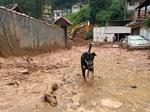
[117, 22]
[134, 23]
[14, 7]
[80, 3]
[62, 21]
[145, 3]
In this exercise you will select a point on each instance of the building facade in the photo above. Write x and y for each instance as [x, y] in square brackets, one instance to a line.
[130, 5]
[77, 6]
[143, 11]
[113, 27]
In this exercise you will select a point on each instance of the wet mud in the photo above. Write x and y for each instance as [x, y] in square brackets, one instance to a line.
[121, 81]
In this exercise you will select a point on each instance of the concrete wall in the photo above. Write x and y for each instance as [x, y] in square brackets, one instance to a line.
[145, 33]
[119, 29]
[101, 32]
[27, 35]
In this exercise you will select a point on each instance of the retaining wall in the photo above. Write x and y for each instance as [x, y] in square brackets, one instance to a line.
[26, 35]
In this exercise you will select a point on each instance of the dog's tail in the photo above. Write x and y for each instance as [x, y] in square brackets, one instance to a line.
[90, 47]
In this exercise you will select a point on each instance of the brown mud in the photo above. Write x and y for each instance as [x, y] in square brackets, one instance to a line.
[121, 81]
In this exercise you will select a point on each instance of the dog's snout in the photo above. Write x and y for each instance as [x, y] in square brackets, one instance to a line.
[90, 64]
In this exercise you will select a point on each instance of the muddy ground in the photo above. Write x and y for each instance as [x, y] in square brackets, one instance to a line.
[121, 82]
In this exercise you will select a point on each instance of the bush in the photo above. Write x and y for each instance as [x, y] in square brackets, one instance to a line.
[90, 34]
[146, 23]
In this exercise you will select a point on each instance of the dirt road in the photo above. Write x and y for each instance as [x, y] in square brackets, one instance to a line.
[121, 82]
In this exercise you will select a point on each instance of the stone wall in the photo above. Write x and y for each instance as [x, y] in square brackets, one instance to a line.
[26, 35]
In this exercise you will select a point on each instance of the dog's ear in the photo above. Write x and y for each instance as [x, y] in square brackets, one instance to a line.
[94, 54]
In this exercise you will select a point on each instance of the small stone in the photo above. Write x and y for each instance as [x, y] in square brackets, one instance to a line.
[118, 62]
[51, 99]
[133, 86]
[24, 72]
[110, 103]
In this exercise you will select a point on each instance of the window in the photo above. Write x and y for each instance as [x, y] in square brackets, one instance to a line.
[131, 2]
[75, 8]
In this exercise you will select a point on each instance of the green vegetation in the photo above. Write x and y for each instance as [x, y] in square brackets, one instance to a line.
[97, 11]
[80, 16]
[146, 23]
[90, 34]
[31, 7]
[34, 7]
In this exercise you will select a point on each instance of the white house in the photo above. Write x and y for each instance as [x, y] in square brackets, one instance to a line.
[58, 14]
[77, 6]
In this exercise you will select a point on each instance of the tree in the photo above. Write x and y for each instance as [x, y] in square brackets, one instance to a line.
[84, 14]
[117, 10]
[39, 7]
[96, 6]
[102, 17]
[146, 22]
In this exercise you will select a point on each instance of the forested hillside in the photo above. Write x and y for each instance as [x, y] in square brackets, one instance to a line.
[34, 7]
[97, 11]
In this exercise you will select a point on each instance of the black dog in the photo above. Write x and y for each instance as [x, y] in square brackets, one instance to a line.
[87, 62]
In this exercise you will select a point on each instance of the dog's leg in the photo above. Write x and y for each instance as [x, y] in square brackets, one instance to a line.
[92, 74]
[83, 73]
[88, 73]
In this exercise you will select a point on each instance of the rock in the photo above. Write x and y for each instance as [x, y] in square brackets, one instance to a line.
[49, 95]
[13, 83]
[110, 103]
[24, 72]
[133, 86]
[54, 87]
[51, 98]
[118, 62]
